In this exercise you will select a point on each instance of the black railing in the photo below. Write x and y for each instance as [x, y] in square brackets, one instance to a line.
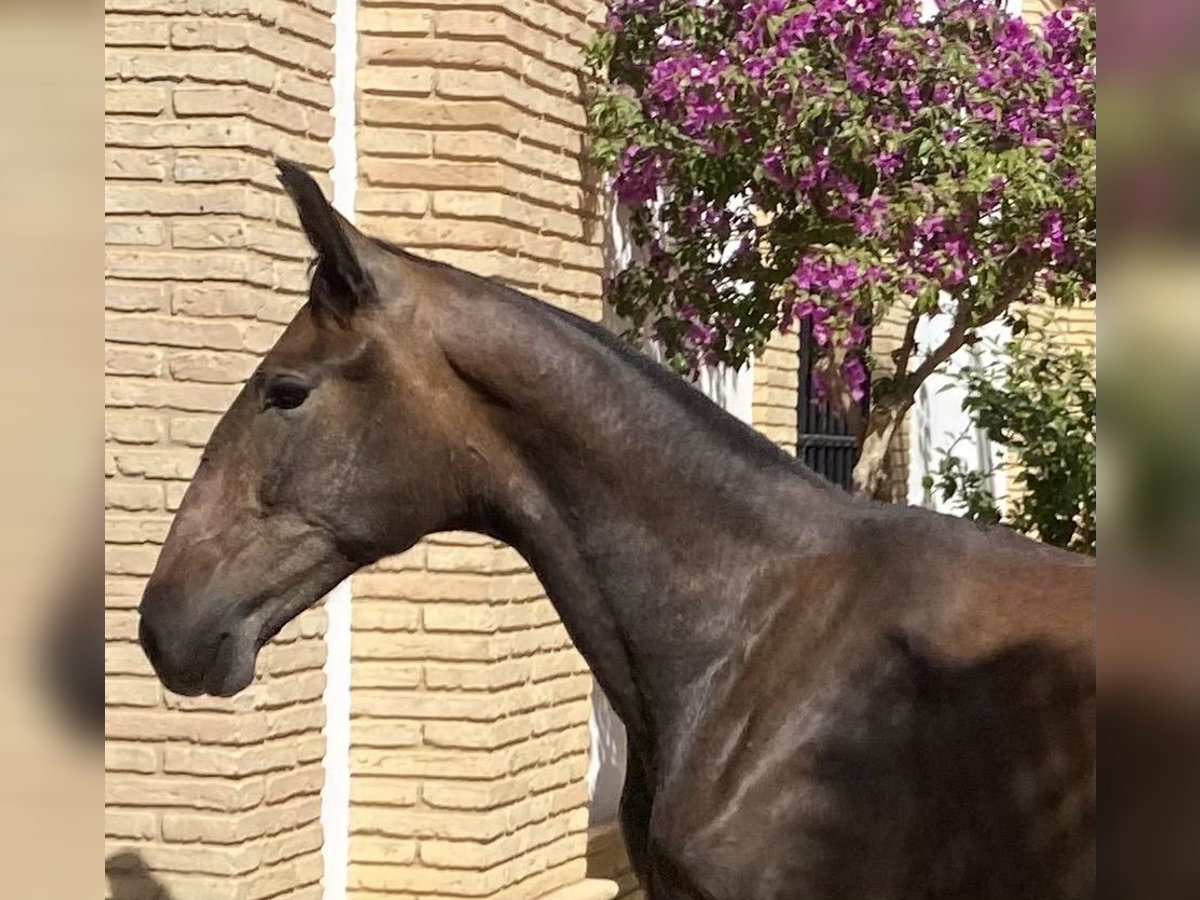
[824, 441]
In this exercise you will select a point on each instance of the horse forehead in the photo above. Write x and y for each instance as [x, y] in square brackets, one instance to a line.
[305, 342]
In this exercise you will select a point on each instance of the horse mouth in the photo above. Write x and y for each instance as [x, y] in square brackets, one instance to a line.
[232, 667]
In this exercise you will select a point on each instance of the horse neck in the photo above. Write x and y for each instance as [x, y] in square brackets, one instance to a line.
[648, 514]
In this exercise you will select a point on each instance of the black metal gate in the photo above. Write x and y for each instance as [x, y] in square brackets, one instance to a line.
[823, 441]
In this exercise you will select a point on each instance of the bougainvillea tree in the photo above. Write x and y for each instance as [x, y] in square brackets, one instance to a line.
[841, 161]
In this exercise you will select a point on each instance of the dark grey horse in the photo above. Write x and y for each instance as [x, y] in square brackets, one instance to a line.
[824, 697]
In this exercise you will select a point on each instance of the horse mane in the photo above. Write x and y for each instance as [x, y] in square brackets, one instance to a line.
[725, 428]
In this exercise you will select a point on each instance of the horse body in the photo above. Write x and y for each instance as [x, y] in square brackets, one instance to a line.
[824, 697]
[884, 733]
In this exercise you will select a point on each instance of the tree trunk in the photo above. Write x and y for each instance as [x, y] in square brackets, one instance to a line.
[871, 470]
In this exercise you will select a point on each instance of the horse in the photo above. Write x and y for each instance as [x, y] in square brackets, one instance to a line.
[824, 696]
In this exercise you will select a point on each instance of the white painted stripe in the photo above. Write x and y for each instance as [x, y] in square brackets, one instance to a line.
[335, 795]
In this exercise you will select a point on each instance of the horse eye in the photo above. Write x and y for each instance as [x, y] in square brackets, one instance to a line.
[286, 394]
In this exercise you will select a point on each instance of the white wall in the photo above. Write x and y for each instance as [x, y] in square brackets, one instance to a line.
[335, 793]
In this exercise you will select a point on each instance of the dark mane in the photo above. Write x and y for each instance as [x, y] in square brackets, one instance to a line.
[728, 429]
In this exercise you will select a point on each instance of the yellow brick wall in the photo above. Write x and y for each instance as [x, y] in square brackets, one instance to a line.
[776, 390]
[208, 799]
[607, 860]
[469, 737]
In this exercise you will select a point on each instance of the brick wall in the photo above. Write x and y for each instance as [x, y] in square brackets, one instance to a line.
[209, 799]
[776, 390]
[469, 734]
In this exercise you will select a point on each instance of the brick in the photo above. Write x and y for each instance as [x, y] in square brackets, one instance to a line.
[173, 332]
[129, 297]
[135, 31]
[258, 339]
[224, 829]
[126, 100]
[225, 102]
[200, 860]
[306, 24]
[474, 796]
[148, 165]
[213, 300]
[318, 94]
[403, 111]
[433, 175]
[130, 361]
[161, 133]
[120, 625]
[388, 675]
[398, 81]
[232, 762]
[135, 529]
[129, 758]
[130, 560]
[469, 677]
[292, 51]
[392, 201]
[469, 205]
[125, 659]
[475, 735]
[214, 368]
[130, 825]
[295, 720]
[385, 615]
[192, 431]
[208, 234]
[287, 785]
[169, 200]
[387, 851]
[200, 66]
[394, 21]
[394, 142]
[425, 706]
[460, 617]
[365, 732]
[126, 231]
[381, 51]
[140, 264]
[382, 821]
[172, 464]
[383, 791]
[186, 399]
[481, 145]
[425, 763]
[193, 793]
[132, 497]
[193, 33]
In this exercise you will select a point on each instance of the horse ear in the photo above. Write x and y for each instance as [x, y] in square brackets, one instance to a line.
[339, 245]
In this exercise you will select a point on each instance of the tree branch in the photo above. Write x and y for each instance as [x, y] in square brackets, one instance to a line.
[963, 325]
[904, 352]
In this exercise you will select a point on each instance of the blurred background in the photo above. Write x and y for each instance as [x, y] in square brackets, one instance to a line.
[50, 343]
[51, 685]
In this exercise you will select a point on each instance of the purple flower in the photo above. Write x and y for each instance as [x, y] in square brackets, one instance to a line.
[772, 164]
[797, 29]
[854, 374]
[758, 67]
[822, 332]
[856, 336]
[637, 177]
[858, 80]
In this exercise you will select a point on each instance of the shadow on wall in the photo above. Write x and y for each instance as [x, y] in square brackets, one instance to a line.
[129, 879]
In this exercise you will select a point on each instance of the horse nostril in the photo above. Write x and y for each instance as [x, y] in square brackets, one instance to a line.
[148, 641]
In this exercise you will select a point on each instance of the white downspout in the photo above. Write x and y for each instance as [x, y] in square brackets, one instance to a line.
[335, 795]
